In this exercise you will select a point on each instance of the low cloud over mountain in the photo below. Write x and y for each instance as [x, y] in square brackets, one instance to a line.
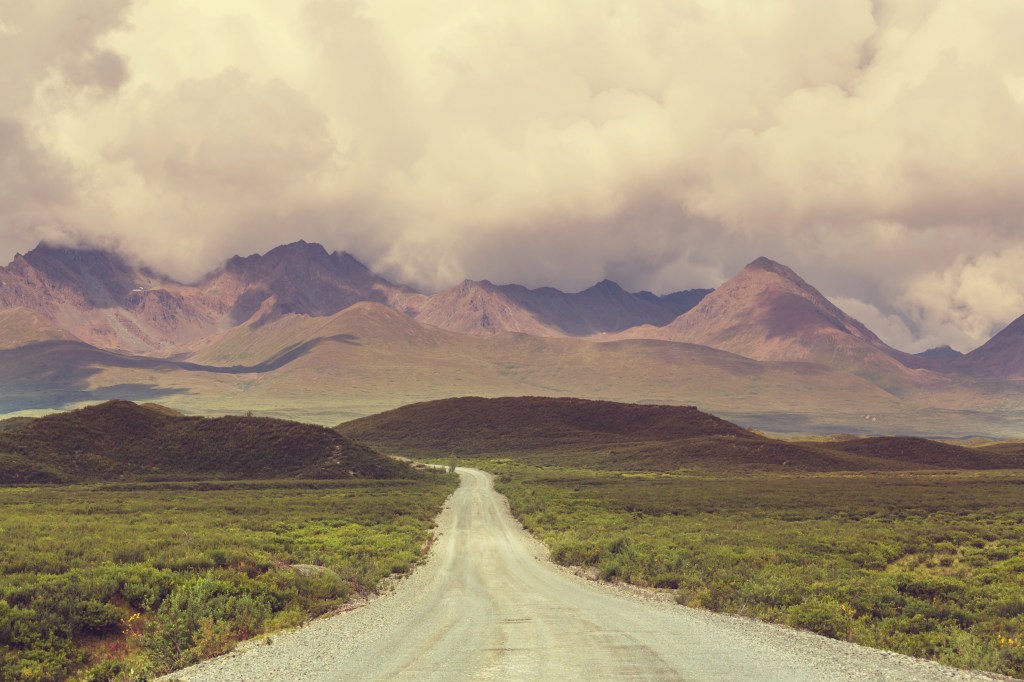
[870, 144]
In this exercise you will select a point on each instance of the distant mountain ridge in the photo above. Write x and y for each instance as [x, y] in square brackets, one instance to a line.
[101, 299]
[305, 279]
[304, 333]
[485, 308]
[1002, 355]
[768, 312]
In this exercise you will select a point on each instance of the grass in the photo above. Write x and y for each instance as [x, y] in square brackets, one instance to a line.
[924, 563]
[128, 581]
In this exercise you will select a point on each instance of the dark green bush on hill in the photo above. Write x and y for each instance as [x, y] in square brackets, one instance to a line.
[629, 437]
[120, 440]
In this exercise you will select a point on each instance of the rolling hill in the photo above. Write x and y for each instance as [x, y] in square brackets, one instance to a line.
[924, 453]
[369, 358]
[123, 441]
[601, 434]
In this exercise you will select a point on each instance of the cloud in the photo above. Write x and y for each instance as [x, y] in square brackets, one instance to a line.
[871, 145]
[891, 328]
[972, 299]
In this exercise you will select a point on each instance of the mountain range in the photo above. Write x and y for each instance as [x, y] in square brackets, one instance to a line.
[103, 300]
[304, 333]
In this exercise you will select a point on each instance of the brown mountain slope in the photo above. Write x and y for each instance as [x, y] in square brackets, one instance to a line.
[1002, 356]
[369, 358]
[120, 440]
[20, 327]
[301, 278]
[99, 298]
[481, 308]
[767, 312]
[485, 308]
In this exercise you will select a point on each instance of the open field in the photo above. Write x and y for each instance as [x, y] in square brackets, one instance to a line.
[925, 563]
[126, 581]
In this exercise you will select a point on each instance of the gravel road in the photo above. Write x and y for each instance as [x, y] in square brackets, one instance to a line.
[485, 606]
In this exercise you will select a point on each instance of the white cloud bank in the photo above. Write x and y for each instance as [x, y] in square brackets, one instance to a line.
[876, 147]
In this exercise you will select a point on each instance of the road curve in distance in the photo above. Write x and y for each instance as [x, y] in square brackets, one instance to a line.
[485, 607]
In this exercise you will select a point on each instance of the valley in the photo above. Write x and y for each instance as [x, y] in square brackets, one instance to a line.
[751, 450]
[599, 341]
[299, 333]
[144, 540]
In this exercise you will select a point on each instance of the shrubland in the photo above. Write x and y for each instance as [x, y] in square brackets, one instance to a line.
[926, 563]
[138, 540]
[129, 581]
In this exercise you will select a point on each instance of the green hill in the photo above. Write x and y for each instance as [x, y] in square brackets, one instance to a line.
[621, 436]
[12, 423]
[575, 432]
[120, 440]
[924, 453]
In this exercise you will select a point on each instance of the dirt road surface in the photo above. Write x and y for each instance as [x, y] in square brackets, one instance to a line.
[485, 607]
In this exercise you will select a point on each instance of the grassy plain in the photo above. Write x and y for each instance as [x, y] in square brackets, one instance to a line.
[925, 563]
[127, 581]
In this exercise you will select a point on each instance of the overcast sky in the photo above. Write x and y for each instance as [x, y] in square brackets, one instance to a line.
[875, 147]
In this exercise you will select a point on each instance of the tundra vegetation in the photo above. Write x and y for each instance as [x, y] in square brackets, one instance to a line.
[926, 563]
[898, 543]
[141, 540]
[128, 581]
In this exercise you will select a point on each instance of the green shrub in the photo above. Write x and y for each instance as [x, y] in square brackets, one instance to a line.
[104, 561]
[822, 615]
[924, 564]
[202, 613]
[97, 618]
